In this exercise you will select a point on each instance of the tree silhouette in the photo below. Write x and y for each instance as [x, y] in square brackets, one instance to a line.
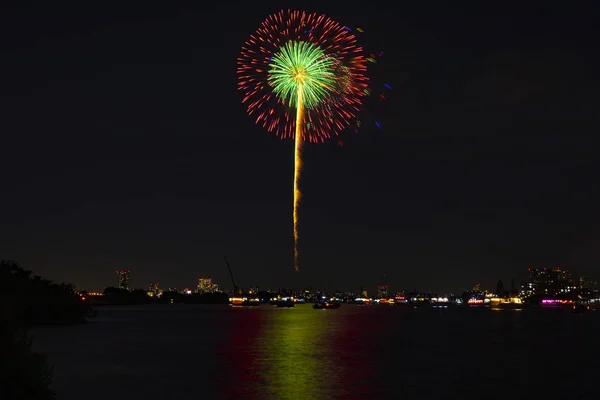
[26, 300]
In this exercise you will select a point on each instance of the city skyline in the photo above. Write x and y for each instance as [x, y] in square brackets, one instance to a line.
[126, 146]
[531, 282]
[223, 280]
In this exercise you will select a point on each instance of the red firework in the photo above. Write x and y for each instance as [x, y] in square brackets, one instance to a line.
[334, 113]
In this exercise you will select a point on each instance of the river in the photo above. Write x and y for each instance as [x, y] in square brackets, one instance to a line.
[377, 352]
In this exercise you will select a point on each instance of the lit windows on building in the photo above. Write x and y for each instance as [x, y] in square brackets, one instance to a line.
[527, 289]
[547, 281]
[206, 285]
[124, 279]
[154, 290]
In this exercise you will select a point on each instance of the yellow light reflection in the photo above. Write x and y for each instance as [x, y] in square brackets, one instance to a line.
[297, 361]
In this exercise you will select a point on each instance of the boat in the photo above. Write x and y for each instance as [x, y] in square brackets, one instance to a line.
[254, 302]
[326, 305]
[285, 303]
[243, 301]
[363, 301]
[581, 306]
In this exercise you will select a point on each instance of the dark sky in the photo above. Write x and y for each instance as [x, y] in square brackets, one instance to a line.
[124, 145]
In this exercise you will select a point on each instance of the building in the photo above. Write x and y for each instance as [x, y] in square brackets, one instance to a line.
[547, 282]
[124, 279]
[154, 290]
[527, 289]
[586, 283]
[206, 285]
[382, 291]
[308, 294]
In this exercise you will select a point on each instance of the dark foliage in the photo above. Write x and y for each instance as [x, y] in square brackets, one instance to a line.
[207, 298]
[116, 296]
[36, 301]
[23, 373]
[203, 298]
[27, 300]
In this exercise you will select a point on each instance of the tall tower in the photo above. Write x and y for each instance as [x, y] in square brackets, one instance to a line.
[382, 289]
[124, 279]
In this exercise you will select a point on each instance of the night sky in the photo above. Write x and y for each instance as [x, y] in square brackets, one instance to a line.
[124, 144]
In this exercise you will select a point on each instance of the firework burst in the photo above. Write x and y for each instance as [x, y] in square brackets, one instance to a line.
[303, 77]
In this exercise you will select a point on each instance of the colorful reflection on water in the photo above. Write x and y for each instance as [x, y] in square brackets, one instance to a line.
[299, 353]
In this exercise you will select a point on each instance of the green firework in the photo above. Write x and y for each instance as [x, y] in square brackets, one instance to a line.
[301, 66]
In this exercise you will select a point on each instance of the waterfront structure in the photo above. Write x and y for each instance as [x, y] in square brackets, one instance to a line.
[505, 301]
[124, 279]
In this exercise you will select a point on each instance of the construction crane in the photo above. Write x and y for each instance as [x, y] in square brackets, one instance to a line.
[235, 288]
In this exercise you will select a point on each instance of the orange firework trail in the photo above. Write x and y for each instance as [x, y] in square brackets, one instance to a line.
[297, 170]
[303, 76]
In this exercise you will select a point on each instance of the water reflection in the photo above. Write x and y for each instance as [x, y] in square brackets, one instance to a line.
[295, 360]
[300, 353]
[238, 378]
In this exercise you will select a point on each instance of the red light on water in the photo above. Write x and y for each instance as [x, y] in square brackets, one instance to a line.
[83, 298]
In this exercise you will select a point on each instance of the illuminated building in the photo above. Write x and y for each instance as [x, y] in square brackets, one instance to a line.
[547, 281]
[382, 291]
[382, 288]
[527, 289]
[154, 290]
[124, 279]
[206, 285]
